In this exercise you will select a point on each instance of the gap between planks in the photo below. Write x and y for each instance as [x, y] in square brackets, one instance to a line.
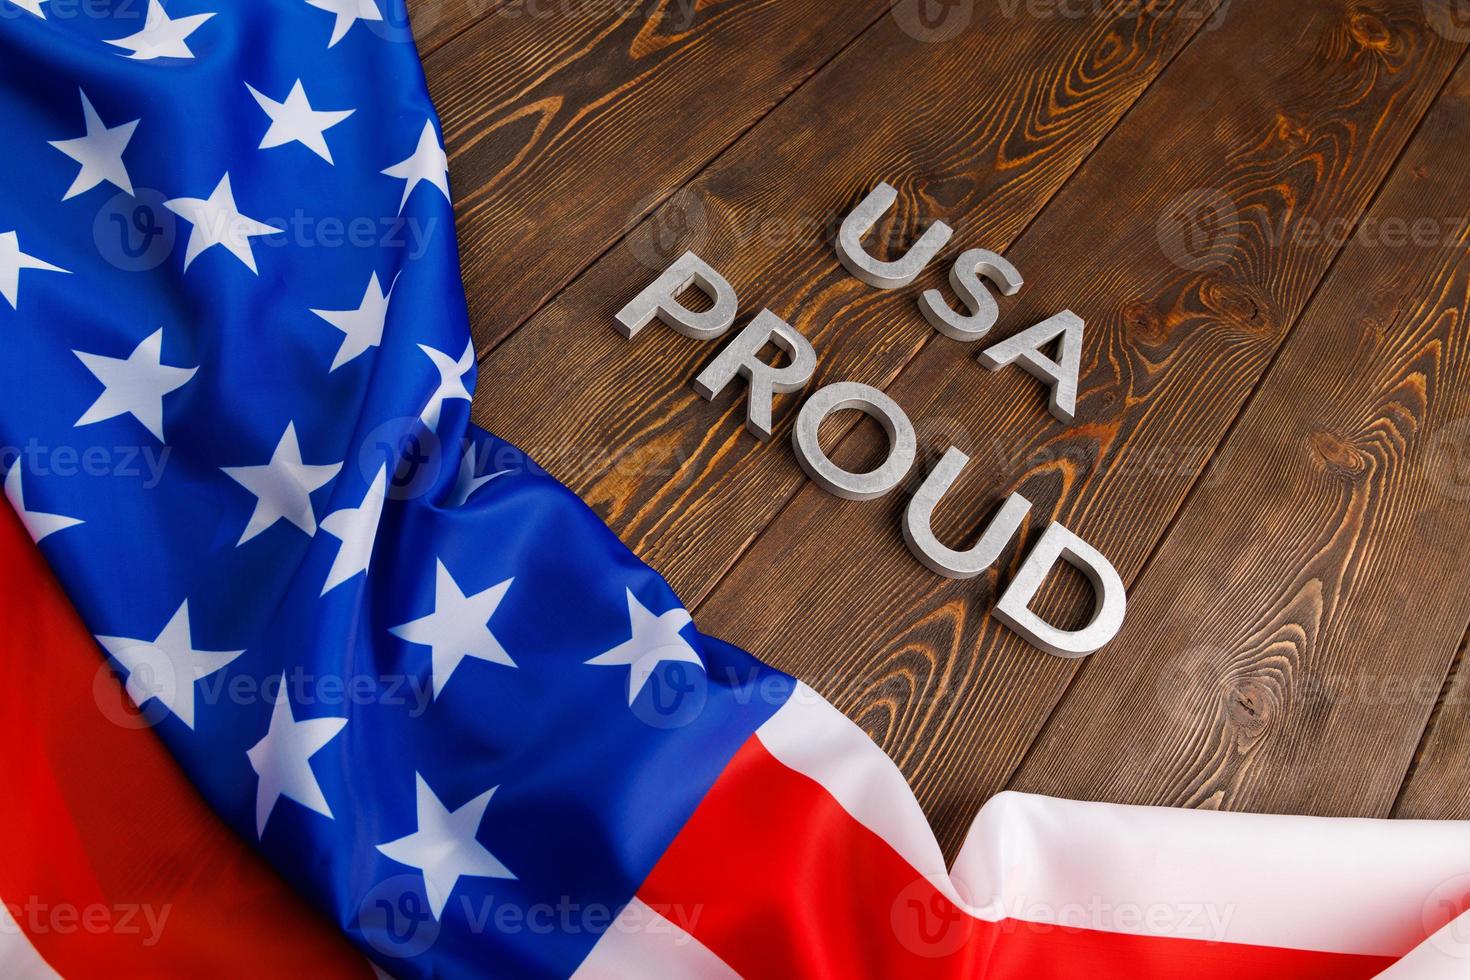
[1061, 185]
[818, 69]
[1245, 405]
[481, 356]
[471, 22]
[1457, 664]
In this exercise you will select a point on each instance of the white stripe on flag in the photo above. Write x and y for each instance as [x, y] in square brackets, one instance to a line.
[815, 739]
[1335, 885]
[18, 958]
[1311, 883]
[642, 943]
[1443, 956]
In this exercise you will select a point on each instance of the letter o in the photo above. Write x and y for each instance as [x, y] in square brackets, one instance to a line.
[902, 442]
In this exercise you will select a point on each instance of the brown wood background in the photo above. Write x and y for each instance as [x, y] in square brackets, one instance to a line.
[1262, 211]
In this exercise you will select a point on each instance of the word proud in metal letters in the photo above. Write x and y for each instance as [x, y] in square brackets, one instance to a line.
[660, 301]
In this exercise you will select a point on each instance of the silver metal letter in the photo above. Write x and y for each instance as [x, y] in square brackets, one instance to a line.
[1025, 349]
[918, 528]
[740, 357]
[1109, 606]
[885, 275]
[965, 277]
[660, 300]
[902, 441]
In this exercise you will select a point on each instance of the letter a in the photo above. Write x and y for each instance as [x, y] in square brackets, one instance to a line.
[1025, 349]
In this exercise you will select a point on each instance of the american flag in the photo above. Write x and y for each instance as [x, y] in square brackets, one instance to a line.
[406, 667]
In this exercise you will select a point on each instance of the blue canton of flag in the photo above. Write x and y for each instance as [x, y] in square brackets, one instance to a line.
[384, 645]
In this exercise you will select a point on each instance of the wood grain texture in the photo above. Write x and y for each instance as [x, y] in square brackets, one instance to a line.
[1293, 634]
[435, 22]
[566, 123]
[979, 132]
[1438, 783]
[1310, 105]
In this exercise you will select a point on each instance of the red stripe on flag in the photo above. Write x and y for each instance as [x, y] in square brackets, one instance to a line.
[777, 879]
[109, 860]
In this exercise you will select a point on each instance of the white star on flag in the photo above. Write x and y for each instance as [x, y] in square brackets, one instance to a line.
[282, 760]
[357, 529]
[445, 847]
[12, 261]
[451, 380]
[38, 524]
[468, 479]
[656, 640]
[282, 487]
[167, 666]
[99, 152]
[134, 385]
[459, 627]
[31, 7]
[427, 165]
[161, 36]
[295, 121]
[363, 326]
[218, 221]
[348, 12]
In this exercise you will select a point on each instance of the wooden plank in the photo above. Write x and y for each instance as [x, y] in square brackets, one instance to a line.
[1310, 105]
[1438, 785]
[1293, 634]
[436, 22]
[979, 131]
[565, 129]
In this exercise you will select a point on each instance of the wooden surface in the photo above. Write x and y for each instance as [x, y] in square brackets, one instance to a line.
[1273, 436]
